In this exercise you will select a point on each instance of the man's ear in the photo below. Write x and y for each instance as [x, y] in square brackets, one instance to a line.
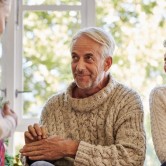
[108, 63]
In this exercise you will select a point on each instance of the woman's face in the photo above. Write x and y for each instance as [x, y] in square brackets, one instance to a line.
[4, 13]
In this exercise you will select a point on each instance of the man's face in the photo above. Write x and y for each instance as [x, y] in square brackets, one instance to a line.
[87, 63]
[4, 13]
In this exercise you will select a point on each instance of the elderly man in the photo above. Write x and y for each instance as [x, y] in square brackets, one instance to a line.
[97, 120]
[8, 118]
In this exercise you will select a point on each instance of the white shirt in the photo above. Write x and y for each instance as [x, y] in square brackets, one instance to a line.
[7, 126]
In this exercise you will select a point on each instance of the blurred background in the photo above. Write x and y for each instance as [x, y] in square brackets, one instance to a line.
[35, 52]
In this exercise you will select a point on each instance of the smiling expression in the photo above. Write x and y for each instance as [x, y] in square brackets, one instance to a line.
[88, 64]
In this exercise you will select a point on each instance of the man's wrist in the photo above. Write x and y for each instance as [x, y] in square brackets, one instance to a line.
[71, 148]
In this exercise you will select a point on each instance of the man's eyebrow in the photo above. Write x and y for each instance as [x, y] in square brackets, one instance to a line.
[73, 53]
[90, 55]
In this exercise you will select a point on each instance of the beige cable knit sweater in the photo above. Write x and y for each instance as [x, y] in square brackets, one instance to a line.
[108, 124]
[158, 120]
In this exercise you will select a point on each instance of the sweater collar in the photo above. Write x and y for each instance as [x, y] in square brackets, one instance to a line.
[91, 102]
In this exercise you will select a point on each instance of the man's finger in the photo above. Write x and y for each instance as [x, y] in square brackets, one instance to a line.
[33, 153]
[28, 135]
[37, 129]
[32, 149]
[36, 143]
[39, 157]
[32, 131]
[44, 132]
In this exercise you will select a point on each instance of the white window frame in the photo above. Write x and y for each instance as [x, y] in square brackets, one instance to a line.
[12, 74]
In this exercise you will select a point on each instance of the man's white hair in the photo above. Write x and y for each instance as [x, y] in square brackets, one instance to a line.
[100, 36]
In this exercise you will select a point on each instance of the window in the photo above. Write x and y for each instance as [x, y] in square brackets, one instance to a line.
[139, 31]
[46, 31]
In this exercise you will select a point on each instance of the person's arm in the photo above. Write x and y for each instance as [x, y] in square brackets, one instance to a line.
[158, 121]
[51, 148]
[8, 122]
[7, 126]
[37, 135]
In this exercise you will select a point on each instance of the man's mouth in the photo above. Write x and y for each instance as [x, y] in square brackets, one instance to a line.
[82, 75]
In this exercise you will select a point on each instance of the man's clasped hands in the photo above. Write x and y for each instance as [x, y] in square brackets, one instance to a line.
[40, 146]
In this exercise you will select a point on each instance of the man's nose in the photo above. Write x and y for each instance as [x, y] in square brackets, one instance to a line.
[80, 65]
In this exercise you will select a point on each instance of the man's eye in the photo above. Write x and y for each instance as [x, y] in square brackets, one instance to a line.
[89, 57]
[74, 58]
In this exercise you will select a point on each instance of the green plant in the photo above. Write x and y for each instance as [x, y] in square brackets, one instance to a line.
[8, 160]
[12, 161]
[16, 161]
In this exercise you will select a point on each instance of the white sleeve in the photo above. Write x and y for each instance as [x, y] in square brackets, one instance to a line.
[7, 126]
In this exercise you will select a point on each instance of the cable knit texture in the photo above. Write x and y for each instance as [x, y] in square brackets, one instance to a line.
[108, 124]
[158, 120]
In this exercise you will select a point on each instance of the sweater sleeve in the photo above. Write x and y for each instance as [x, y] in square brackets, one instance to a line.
[7, 126]
[158, 121]
[129, 139]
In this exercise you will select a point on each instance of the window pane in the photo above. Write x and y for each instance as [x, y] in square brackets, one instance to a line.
[46, 55]
[18, 144]
[51, 2]
[139, 30]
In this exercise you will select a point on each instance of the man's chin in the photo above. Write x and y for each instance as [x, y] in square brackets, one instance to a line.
[83, 86]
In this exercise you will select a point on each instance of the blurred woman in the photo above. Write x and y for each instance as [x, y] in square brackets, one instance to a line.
[158, 119]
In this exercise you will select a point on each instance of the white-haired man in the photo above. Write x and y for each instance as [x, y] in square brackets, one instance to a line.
[96, 120]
